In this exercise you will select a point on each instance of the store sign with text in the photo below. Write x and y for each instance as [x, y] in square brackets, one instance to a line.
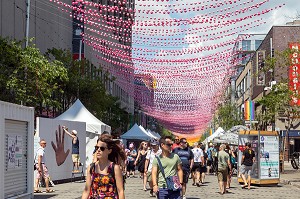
[294, 71]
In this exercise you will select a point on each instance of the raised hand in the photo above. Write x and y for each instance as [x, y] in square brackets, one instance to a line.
[60, 153]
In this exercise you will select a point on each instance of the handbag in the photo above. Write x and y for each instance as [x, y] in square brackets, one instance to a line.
[173, 182]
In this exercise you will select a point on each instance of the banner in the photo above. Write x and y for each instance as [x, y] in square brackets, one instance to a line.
[249, 110]
[294, 73]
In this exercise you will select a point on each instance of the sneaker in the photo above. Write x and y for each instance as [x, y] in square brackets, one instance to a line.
[151, 193]
[183, 197]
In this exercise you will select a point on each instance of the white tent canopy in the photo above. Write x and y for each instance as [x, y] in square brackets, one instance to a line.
[236, 129]
[136, 133]
[218, 132]
[154, 133]
[149, 133]
[230, 138]
[78, 112]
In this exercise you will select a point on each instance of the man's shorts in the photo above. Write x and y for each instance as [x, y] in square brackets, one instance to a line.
[75, 158]
[209, 163]
[222, 175]
[203, 169]
[246, 170]
[186, 174]
[45, 172]
[196, 167]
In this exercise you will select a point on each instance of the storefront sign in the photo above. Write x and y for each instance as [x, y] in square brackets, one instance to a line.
[294, 73]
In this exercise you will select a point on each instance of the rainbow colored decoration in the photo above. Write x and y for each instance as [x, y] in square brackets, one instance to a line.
[249, 110]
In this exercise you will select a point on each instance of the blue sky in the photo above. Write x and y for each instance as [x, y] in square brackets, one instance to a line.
[209, 77]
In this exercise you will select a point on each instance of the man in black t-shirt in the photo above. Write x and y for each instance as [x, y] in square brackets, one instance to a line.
[187, 157]
[247, 161]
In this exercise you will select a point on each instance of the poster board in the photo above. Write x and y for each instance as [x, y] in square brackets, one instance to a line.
[265, 144]
[269, 157]
[46, 129]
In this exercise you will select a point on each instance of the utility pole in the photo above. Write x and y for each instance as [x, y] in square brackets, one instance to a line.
[27, 22]
[80, 64]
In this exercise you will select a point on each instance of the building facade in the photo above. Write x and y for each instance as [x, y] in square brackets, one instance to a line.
[256, 84]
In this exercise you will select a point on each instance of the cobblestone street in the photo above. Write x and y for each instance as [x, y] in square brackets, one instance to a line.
[208, 190]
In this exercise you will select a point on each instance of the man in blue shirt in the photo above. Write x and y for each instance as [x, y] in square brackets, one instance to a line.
[187, 158]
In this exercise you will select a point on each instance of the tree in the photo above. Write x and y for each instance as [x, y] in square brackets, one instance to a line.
[277, 104]
[228, 116]
[87, 83]
[27, 77]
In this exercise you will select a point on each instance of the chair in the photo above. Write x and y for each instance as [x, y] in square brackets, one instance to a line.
[77, 174]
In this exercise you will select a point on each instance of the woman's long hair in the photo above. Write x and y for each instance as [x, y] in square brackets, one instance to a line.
[117, 154]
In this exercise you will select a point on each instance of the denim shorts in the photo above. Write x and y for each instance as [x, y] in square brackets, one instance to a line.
[246, 170]
[165, 193]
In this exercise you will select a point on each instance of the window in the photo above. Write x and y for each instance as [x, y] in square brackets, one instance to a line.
[257, 43]
[246, 45]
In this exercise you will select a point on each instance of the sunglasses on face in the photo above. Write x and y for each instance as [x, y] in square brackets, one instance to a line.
[102, 148]
[169, 144]
[183, 142]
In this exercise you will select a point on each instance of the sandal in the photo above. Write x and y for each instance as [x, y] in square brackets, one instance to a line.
[49, 190]
[37, 191]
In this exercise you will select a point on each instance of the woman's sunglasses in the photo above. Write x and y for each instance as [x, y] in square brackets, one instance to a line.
[102, 148]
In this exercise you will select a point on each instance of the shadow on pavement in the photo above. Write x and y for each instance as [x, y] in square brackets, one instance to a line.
[44, 196]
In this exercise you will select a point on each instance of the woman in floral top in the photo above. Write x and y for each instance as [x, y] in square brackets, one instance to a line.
[105, 181]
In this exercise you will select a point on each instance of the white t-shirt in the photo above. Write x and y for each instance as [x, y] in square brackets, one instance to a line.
[40, 151]
[198, 153]
[150, 156]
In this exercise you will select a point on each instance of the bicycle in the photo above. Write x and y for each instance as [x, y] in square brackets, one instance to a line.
[295, 160]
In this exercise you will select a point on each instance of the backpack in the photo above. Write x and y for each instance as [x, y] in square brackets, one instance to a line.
[213, 153]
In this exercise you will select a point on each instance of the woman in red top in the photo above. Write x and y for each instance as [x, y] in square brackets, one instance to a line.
[105, 178]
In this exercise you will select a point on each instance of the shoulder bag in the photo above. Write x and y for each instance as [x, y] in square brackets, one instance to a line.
[173, 182]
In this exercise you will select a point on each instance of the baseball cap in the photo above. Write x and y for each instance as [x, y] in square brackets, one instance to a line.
[154, 142]
[74, 131]
[210, 144]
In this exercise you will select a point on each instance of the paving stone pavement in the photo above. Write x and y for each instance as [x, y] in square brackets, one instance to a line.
[133, 190]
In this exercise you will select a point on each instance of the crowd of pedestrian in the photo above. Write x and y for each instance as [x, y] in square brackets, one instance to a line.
[164, 166]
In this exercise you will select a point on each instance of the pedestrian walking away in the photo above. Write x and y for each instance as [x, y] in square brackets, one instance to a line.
[198, 159]
[248, 159]
[223, 166]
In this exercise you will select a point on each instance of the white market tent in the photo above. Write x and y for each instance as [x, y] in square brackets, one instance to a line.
[136, 133]
[230, 138]
[149, 133]
[217, 133]
[236, 129]
[154, 133]
[94, 127]
[78, 112]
